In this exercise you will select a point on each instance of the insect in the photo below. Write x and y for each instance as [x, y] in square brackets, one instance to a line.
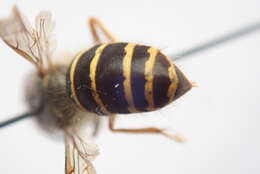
[108, 79]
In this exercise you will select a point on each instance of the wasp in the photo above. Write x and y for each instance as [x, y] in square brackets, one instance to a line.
[110, 78]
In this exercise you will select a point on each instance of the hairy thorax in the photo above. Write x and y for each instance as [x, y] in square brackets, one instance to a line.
[49, 97]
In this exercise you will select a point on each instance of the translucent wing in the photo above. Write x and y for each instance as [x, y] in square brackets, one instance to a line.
[34, 44]
[44, 30]
[78, 155]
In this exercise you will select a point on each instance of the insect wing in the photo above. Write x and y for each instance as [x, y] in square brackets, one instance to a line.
[35, 45]
[44, 26]
[79, 154]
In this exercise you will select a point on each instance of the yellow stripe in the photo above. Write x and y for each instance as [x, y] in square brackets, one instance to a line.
[174, 80]
[127, 60]
[72, 72]
[148, 72]
[92, 74]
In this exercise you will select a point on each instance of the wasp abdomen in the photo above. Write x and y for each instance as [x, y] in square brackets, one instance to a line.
[123, 78]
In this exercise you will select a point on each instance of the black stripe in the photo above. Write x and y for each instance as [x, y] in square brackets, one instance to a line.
[109, 78]
[161, 81]
[82, 81]
[140, 56]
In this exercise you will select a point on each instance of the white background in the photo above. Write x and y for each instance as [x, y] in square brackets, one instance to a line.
[220, 118]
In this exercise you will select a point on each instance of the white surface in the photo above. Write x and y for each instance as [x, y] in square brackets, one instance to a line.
[219, 118]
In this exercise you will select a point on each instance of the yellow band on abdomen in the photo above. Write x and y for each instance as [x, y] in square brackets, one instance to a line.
[148, 73]
[92, 75]
[127, 60]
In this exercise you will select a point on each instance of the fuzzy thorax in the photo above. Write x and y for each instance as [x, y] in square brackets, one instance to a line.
[50, 96]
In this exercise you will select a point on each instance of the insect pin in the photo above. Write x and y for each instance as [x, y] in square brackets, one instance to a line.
[108, 79]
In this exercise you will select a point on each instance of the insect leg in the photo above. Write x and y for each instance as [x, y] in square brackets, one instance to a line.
[164, 132]
[94, 23]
